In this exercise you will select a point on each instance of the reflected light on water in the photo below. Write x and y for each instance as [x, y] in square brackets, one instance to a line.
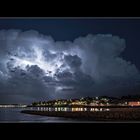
[73, 109]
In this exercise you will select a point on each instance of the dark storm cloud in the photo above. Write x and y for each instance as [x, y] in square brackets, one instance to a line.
[73, 61]
[35, 67]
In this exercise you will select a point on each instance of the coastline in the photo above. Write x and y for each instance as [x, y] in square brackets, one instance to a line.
[127, 115]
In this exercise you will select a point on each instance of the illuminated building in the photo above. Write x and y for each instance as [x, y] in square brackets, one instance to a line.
[134, 103]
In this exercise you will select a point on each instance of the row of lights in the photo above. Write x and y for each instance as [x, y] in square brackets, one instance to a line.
[70, 109]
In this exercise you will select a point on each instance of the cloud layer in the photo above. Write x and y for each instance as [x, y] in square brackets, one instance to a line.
[35, 67]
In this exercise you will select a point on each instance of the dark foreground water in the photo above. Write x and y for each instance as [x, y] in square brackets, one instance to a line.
[14, 115]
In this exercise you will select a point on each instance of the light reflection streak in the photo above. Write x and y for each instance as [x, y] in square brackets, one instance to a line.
[73, 109]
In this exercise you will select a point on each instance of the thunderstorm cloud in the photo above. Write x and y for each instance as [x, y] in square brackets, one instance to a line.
[35, 67]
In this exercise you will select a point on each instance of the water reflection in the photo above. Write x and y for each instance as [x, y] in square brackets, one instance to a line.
[73, 109]
[14, 115]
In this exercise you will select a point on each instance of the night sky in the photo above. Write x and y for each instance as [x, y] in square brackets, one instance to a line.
[45, 59]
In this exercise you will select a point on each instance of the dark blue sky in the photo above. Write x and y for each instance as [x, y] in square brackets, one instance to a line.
[69, 29]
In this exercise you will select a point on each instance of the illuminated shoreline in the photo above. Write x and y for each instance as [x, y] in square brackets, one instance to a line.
[129, 114]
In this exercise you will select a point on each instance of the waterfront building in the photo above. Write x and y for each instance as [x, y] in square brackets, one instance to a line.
[134, 103]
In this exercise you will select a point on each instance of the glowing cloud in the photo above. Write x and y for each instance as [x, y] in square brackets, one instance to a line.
[49, 67]
[34, 66]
